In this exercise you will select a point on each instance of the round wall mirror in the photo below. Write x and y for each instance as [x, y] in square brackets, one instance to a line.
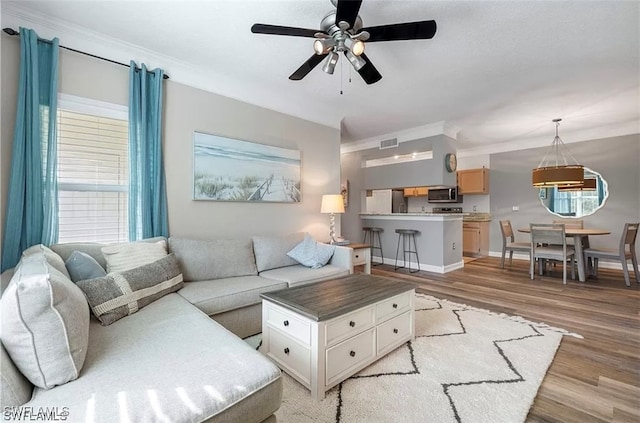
[577, 203]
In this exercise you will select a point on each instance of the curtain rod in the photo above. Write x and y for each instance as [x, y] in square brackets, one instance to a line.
[12, 31]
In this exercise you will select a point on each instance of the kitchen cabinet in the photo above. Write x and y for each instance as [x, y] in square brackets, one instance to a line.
[416, 192]
[475, 239]
[473, 181]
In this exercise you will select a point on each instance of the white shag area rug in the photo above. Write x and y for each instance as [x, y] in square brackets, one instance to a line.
[465, 365]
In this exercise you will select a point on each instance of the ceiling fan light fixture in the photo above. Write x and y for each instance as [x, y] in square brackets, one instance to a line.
[330, 64]
[356, 61]
[560, 172]
[356, 46]
[323, 46]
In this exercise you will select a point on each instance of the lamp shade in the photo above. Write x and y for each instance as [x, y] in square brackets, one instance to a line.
[569, 175]
[590, 184]
[332, 203]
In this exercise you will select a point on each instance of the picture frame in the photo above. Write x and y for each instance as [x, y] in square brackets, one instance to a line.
[344, 191]
[228, 169]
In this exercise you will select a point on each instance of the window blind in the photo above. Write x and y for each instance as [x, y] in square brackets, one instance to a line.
[92, 177]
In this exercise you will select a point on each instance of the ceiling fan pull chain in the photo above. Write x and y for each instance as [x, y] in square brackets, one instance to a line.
[341, 76]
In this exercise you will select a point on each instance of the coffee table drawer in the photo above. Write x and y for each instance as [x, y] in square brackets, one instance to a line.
[349, 324]
[393, 305]
[291, 354]
[350, 354]
[289, 323]
[393, 332]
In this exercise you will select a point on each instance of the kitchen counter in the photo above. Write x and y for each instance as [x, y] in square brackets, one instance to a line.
[477, 217]
[439, 242]
[413, 216]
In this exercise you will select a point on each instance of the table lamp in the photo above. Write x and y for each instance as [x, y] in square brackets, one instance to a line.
[332, 203]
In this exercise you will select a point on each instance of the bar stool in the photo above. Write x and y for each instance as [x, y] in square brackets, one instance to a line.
[374, 233]
[407, 235]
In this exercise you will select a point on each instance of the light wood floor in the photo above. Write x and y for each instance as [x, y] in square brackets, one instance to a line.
[595, 379]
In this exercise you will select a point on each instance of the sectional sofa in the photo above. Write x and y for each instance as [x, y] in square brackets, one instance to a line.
[179, 358]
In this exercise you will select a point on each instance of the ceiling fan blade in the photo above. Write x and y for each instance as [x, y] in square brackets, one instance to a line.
[284, 30]
[369, 72]
[307, 67]
[347, 11]
[422, 30]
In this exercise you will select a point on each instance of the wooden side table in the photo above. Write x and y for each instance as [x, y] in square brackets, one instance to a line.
[361, 256]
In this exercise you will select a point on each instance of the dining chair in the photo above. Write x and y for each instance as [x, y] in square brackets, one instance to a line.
[548, 242]
[626, 251]
[509, 244]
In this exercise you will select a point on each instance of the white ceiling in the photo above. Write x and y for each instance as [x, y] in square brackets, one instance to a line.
[493, 77]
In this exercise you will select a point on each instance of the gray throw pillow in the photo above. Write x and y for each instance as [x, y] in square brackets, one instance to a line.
[311, 253]
[82, 266]
[120, 294]
[45, 323]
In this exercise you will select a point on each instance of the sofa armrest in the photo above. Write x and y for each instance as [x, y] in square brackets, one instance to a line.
[343, 257]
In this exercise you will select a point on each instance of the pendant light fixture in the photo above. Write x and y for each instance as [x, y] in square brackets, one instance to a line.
[590, 184]
[558, 172]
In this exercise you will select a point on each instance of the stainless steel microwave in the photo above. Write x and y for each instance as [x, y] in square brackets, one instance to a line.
[444, 195]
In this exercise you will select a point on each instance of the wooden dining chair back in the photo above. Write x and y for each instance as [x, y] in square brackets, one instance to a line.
[509, 244]
[548, 242]
[626, 251]
[573, 224]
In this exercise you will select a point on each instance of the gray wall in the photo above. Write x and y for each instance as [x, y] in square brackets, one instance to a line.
[188, 109]
[616, 159]
[420, 173]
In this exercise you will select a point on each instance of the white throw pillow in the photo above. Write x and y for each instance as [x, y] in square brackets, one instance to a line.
[127, 256]
[45, 323]
[311, 253]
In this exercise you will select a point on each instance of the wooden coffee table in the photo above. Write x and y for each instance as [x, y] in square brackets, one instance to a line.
[324, 332]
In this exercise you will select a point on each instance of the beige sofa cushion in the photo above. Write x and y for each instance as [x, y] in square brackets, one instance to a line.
[45, 323]
[221, 295]
[271, 251]
[300, 275]
[167, 363]
[202, 260]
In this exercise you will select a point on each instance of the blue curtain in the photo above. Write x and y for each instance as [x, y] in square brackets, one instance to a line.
[32, 203]
[147, 190]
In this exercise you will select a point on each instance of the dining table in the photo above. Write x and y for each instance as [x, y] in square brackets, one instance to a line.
[578, 234]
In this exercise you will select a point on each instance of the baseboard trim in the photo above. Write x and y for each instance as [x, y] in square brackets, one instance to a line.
[422, 266]
[601, 263]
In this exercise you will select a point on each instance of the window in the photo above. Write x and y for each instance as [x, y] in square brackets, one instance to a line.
[93, 162]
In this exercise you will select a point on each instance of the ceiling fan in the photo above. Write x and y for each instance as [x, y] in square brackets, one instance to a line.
[342, 32]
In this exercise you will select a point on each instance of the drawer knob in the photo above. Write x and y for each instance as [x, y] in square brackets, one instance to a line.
[286, 323]
[352, 323]
[286, 351]
[352, 353]
[395, 330]
[395, 305]
[357, 256]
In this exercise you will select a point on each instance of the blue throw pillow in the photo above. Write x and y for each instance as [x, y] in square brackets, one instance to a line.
[311, 253]
[82, 266]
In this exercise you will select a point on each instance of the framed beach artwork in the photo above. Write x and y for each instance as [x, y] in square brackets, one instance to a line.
[226, 169]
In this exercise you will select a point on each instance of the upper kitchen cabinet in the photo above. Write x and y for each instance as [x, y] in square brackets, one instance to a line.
[473, 181]
[416, 192]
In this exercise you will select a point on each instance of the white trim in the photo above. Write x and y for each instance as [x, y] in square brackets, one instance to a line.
[422, 266]
[89, 106]
[414, 216]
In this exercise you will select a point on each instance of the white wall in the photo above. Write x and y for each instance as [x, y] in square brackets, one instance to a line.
[188, 109]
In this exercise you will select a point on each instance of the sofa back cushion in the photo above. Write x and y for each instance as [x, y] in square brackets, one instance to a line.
[51, 256]
[94, 249]
[271, 250]
[45, 323]
[214, 259]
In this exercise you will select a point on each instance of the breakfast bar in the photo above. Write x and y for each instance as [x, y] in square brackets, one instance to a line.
[439, 243]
